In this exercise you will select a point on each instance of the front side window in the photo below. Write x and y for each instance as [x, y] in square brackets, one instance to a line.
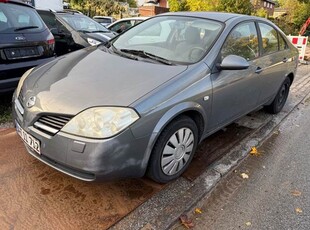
[269, 38]
[16, 18]
[242, 41]
[182, 40]
[121, 26]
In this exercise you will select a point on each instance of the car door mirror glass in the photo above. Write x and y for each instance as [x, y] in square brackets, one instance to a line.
[233, 62]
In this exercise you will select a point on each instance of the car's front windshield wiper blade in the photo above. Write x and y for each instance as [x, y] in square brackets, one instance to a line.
[144, 54]
[123, 54]
[25, 28]
[99, 31]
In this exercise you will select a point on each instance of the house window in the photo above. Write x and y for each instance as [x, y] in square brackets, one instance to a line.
[265, 4]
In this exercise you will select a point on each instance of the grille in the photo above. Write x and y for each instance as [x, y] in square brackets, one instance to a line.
[21, 96]
[50, 124]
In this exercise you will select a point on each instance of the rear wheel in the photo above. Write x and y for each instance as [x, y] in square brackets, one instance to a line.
[173, 150]
[280, 99]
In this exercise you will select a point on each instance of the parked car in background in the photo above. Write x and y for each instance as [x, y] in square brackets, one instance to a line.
[74, 31]
[130, 108]
[25, 42]
[104, 20]
[125, 23]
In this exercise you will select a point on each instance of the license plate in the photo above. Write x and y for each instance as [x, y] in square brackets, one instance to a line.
[31, 141]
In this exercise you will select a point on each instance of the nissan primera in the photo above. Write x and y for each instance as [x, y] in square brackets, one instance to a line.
[141, 103]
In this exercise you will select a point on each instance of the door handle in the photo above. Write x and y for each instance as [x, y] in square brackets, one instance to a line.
[285, 59]
[258, 70]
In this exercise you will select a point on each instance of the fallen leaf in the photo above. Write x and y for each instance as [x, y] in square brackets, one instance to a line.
[296, 193]
[254, 151]
[244, 176]
[276, 132]
[248, 223]
[198, 211]
[298, 210]
[187, 222]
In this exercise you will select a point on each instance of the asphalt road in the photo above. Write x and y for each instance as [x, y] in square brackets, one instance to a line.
[277, 193]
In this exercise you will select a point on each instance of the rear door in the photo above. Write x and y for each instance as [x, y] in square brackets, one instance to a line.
[274, 61]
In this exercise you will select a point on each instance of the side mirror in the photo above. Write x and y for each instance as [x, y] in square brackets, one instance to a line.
[233, 62]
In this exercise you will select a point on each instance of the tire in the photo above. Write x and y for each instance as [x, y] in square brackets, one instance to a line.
[173, 150]
[280, 99]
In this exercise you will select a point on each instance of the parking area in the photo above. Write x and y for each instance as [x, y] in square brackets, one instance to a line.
[34, 195]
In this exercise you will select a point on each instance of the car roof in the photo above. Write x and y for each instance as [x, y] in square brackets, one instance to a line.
[17, 3]
[103, 17]
[125, 19]
[132, 18]
[219, 16]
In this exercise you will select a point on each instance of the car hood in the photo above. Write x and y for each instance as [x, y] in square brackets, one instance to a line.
[91, 77]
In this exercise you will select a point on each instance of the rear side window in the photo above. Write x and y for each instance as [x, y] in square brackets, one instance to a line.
[269, 38]
[282, 43]
[242, 41]
[16, 18]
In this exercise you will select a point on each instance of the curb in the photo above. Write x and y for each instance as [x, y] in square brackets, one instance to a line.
[163, 210]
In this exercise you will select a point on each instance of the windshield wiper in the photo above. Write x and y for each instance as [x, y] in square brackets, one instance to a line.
[25, 28]
[144, 54]
[99, 31]
[123, 54]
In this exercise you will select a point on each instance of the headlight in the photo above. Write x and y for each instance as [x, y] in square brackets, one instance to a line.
[101, 122]
[21, 80]
[93, 42]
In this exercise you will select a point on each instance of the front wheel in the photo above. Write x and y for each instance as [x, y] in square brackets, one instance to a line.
[280, 99]
[173, 150]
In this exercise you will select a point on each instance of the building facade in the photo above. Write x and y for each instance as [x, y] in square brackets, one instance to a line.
[267, 5]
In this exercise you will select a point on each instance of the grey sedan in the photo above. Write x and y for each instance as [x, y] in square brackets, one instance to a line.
[141, 103]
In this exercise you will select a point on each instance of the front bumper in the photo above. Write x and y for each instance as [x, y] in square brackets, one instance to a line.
[87, 159]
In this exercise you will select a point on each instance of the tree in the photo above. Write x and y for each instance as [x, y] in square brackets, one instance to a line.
[132, 3]
[261, 13]
[236, 6]
[178, 5]
[298, 12]
[203, 5]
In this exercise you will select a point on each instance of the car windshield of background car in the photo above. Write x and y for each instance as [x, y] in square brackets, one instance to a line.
[83, 23]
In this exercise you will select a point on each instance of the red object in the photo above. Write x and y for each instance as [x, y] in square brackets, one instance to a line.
[304, 41]
[4, 1]
[304, 27]
[295, 41]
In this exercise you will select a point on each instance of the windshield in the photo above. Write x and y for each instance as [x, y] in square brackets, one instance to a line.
[16, 18]
[175, 38]
[82, 23]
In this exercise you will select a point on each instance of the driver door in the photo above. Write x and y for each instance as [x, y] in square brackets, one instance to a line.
[236, 92]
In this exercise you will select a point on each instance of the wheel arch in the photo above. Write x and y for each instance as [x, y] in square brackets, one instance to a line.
[190, 109]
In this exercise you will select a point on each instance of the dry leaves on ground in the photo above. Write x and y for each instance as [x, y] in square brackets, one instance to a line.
[244, 176]
[296, 193]
[298, 210]
[198, 211]
[254, 151]
[186, 222]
